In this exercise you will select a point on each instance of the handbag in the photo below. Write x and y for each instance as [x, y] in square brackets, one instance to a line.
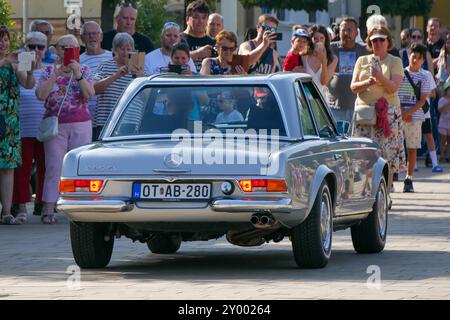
[365, 115]
[48, 129]
[417, 91]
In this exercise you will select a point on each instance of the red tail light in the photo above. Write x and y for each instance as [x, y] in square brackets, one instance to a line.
[263, 185]
[92, 186]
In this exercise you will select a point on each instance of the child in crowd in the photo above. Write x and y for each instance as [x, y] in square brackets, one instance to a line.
[444, 122]
[300, 41]
[412, 102]
[227, 102]
[181, 56]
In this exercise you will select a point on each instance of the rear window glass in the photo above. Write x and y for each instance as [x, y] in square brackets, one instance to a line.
[164, 109]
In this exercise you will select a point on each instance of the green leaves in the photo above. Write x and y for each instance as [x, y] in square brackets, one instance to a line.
[307, 5]
[404, 8]
[5, 19]
[151, 18]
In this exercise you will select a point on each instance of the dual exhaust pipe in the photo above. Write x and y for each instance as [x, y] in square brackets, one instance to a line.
[262, 220]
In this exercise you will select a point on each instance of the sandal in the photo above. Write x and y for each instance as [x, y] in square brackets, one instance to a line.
[10, 220]
[22, 217]
[48, 218]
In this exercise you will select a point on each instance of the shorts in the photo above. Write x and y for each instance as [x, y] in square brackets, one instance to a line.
[444, 131]
[426, 126]
[413, 134]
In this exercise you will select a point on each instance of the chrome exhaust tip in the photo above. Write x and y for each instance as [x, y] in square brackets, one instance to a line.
[262, 221]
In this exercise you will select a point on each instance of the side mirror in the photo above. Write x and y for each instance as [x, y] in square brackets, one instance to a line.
[343, 127]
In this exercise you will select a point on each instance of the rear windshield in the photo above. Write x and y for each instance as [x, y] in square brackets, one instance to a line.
[164, 109]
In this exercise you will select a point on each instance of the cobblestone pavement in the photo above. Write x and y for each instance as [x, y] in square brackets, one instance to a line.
[34, 260]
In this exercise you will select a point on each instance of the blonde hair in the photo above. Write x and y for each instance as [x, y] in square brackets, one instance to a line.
[268, 17]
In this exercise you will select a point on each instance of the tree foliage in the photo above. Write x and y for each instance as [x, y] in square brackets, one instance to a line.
[5, 19]
[151, 18]
[404, 8]
[307, 5]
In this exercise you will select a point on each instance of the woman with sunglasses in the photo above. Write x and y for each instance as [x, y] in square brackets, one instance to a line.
[378, 76]
[31, 113]
[65, 89]
[226, 44]
[416, 37]
[10, 157]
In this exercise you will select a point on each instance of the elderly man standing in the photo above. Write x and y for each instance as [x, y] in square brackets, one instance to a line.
[159, 59]
[46, 28]
[126, 22]
[215, 25]
[92, 36]
[341, 98]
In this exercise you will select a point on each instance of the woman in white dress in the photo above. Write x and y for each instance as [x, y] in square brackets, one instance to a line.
[320, 62]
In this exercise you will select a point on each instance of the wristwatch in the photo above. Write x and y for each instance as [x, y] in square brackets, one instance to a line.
[80, 78]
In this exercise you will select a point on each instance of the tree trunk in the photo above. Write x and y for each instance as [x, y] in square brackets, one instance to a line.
[107, 15]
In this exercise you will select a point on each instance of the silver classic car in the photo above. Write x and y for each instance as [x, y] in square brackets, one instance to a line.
[252, 158]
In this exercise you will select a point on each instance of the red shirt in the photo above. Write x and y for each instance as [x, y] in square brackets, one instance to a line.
[292, 60]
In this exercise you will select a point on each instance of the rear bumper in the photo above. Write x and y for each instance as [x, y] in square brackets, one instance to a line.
[128, 211]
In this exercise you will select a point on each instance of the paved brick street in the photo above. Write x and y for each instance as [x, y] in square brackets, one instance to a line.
[415, 264]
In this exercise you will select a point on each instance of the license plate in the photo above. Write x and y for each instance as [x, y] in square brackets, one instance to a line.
[171, 191]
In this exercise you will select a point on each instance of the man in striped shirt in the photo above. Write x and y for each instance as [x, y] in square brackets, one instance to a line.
[92, 36]
[412, 108]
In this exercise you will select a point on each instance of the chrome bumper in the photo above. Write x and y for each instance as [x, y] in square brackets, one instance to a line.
[109, 206]
[218, 205]
[242, 205]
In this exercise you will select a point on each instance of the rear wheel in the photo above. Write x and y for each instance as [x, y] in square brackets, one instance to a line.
[164, 243]
[311, 240]
[92, 246]
[370, 235]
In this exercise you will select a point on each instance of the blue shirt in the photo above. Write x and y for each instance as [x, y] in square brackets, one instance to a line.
[49, 57]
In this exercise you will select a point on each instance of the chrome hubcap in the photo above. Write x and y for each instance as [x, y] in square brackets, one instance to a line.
[325, 222]
[382, 211]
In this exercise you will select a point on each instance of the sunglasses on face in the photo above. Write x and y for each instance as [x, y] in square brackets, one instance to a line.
[34, 46]
[227, 48]
[382, 40]
[265, 27]
[416, 37]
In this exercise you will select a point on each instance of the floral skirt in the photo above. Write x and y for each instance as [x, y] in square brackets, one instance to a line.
[392, 147]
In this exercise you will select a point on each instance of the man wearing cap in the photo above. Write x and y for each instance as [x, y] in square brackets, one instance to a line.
[160, 58]
[341, 97]
[299, 42]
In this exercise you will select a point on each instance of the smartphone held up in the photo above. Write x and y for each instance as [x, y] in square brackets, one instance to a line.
[71, 54]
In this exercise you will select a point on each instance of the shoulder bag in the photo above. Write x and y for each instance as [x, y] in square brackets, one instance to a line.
[48, 128]
[417, 91]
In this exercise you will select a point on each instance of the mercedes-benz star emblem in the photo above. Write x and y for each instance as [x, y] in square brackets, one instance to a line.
[173, 160]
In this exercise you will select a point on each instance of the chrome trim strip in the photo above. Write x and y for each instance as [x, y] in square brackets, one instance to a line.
[170, 171]
[241, 205]
[68, 206]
